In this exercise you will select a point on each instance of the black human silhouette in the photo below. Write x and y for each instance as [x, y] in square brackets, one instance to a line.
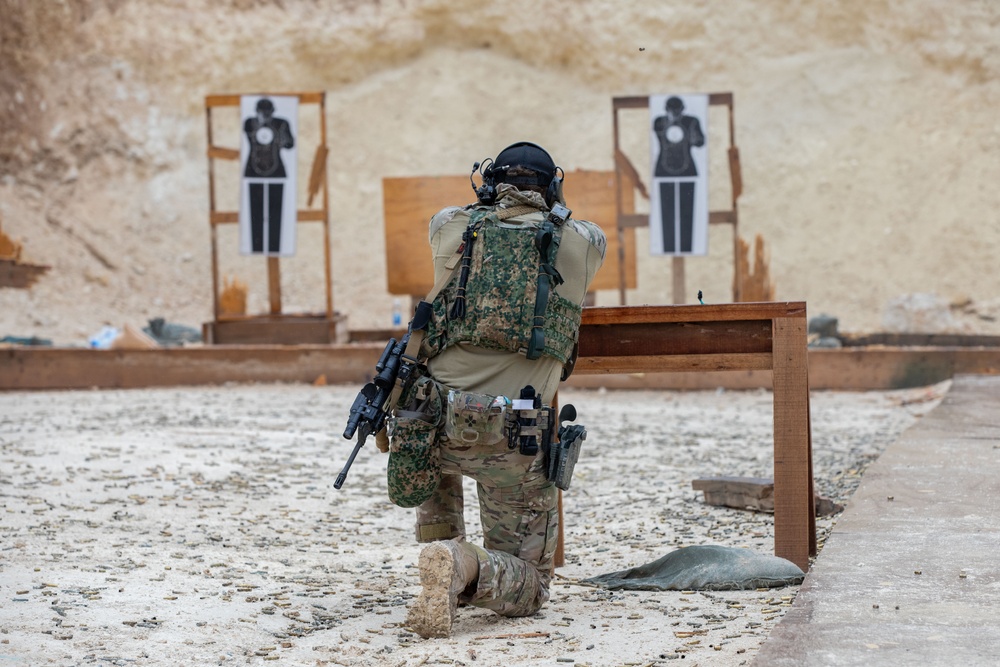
[677, 135]
[267, 136]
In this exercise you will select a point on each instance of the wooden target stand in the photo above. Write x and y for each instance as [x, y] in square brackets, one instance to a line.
[274, 327]
[627, 180]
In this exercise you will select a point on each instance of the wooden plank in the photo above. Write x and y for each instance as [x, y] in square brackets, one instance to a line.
[693, 313]
[673, 364]
[721, 98]
[678, 279]
[717, 217]
[677, 380]
[274, 330]
[630, 102]
[317, 175]
[234, 100]
[794, 512]
[758, 487]
[633, 220]
[866, 368]
[274, 284]
[211, 211]
[591, 196]
[675, 338]
[212, 101]
[220, 153]
[752, 493]
[81, 368]
[920, 340]
[856, 369]
[409, 203]
[837, 369]
[233, 217]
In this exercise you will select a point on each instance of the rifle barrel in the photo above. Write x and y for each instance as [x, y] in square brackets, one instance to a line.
[347, 466]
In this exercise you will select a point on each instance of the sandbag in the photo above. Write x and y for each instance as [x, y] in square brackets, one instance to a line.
[705, 568]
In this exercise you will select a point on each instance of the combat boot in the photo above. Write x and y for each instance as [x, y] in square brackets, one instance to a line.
[446, 569]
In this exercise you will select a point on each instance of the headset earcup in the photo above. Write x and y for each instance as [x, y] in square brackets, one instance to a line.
[487, 192]
[554, 193]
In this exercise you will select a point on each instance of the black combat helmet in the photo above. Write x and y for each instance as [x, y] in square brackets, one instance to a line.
[528, 155]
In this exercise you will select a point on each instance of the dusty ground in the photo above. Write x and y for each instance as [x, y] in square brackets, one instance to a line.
[200, 527]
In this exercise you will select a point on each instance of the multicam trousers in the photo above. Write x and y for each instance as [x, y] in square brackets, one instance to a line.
[519, 511]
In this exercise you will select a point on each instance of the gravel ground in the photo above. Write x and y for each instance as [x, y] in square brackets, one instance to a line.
[199, 526]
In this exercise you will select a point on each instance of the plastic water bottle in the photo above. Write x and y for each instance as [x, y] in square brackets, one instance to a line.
[397, 314]
[103, 339]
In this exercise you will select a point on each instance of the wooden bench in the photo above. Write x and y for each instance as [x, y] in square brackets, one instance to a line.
[649, 339]
[726, 337]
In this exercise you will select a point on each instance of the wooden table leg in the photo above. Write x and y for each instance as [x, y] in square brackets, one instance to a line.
[794, 511]
[560, 557]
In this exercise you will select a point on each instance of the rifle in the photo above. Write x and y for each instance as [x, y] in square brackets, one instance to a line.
[371, 406]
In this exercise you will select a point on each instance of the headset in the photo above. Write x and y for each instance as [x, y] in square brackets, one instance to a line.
[492, 172]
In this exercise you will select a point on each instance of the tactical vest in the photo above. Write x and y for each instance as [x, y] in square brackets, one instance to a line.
[504, 271]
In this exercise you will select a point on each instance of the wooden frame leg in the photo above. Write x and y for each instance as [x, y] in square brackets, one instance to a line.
[794, 504]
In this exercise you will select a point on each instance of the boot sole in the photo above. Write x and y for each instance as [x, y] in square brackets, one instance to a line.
[433, 613]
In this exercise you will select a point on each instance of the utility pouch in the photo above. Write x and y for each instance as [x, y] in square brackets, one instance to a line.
[414, 469]
[530, 427]
[476, 419]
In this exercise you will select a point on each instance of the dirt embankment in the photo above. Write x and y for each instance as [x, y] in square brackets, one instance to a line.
[867, 135]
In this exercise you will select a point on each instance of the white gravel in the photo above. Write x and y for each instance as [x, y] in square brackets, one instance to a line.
[199, 526]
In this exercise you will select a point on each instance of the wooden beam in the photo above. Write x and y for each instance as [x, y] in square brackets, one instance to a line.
[708, 312]
[680, 363]
[934, 340]
[274, 284]
[794, 511]
[275, 330]
[82, 368]
[718, 217]
[220, 153]
[753, 493]
[840, 369]
[233, 217]
[668, 339]
[234, 100]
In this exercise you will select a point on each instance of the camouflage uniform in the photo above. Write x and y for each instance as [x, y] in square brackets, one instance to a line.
[518, 505]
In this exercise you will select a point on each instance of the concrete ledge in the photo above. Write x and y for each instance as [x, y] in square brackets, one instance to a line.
[908, 575]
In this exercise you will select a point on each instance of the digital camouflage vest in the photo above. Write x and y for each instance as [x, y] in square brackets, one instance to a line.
[500, 293]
